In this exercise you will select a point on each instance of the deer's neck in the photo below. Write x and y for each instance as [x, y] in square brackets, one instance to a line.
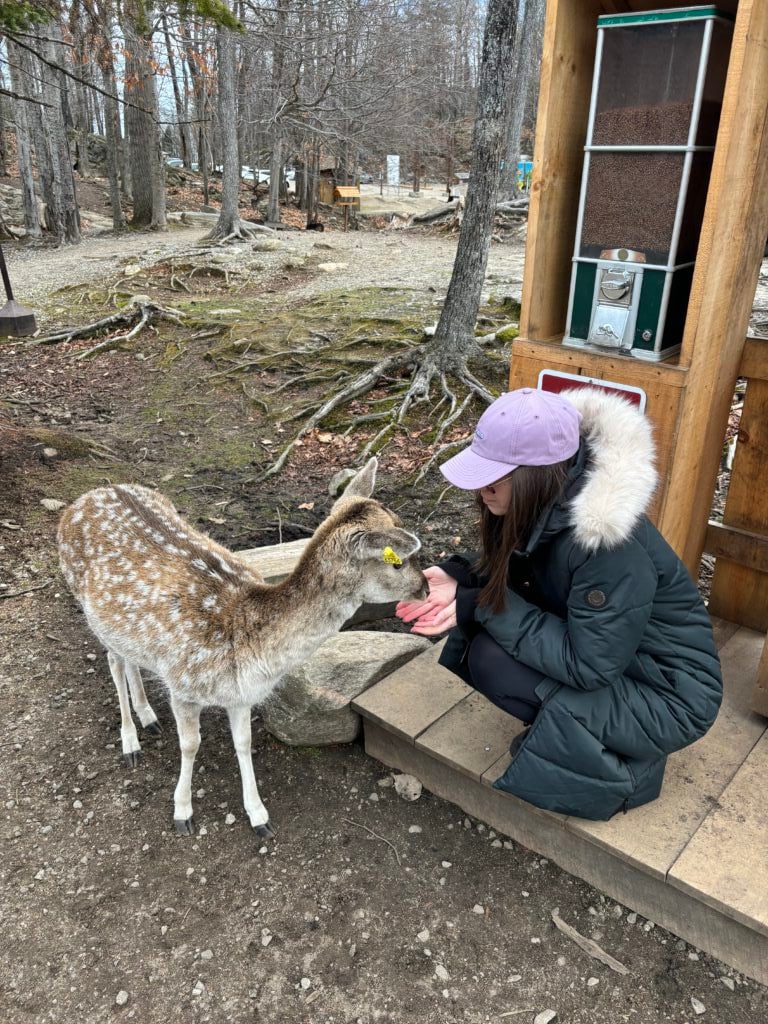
[283, 626]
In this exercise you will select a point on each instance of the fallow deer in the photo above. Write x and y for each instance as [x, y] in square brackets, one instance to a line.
[161, 596]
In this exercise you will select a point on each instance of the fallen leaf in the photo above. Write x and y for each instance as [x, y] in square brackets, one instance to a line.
[53, 504]
[309, 505]
[325, 438]
[217, 520]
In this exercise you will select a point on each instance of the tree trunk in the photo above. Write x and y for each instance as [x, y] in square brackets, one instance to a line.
[455, 330]
[3, 150]
[229, 223]
[528, 38]
[39, 137]
[111, 131]
[147, 170]
[181, 113]
[275, 174]
[54, 91]
[31, 215]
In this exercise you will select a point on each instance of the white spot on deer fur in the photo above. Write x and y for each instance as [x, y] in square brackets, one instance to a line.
[77, 515]
[210, 604]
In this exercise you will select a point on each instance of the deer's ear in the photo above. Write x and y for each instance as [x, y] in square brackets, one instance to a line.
[393, 546]
[362, 483]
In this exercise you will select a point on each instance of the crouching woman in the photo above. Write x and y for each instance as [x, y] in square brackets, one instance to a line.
[577, 617]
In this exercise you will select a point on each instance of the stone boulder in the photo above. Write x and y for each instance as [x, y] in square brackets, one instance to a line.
[310, 707]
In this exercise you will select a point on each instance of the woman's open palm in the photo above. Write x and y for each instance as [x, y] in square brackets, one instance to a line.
[442, 594]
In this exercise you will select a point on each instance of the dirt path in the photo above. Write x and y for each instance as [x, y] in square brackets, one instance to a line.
[359, 259]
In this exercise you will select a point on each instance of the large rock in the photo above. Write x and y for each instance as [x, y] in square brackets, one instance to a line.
[311, 706]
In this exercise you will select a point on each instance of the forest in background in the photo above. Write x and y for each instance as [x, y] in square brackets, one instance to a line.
[126, 89]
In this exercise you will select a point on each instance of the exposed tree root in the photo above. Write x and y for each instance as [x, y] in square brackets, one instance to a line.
[138, 314]
[427, 370]
[240, 231]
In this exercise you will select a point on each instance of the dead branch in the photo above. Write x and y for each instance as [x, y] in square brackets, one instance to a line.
[29, 590]
[588, 945]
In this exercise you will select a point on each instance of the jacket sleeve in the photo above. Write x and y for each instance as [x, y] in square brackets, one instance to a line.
[459, 568]
[609, 606]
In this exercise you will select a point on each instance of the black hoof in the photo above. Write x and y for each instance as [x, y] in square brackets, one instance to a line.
[153, 729]
[184, 826]
[133, 759]
[264, 831]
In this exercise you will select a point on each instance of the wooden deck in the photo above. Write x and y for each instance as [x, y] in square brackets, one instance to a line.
[695, 861]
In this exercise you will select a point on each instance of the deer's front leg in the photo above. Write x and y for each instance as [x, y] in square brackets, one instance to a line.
[187, 717]
[240, 724]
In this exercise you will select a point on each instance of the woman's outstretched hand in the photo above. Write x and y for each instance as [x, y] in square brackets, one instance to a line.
[435, 614]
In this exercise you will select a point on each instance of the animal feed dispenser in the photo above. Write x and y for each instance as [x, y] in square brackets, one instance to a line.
[654, 112]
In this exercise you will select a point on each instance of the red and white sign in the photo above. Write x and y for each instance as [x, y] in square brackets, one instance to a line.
[555, 381]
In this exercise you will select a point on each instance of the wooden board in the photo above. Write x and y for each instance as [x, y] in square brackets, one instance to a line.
[740, 592]
[473, 735]
[726, 862]
[411, 699]
[670, 907]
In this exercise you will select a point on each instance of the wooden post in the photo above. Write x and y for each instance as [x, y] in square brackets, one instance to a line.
[727, 267]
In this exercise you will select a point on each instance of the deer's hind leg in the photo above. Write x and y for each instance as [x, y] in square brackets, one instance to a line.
[128, 735]
[141, 705]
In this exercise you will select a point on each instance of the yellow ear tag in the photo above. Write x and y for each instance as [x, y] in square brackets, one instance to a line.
[389, 556]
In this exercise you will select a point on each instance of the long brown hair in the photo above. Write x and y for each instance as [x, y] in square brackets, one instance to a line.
[533, 489]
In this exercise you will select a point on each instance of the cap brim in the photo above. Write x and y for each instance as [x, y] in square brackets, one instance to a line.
[470, 471]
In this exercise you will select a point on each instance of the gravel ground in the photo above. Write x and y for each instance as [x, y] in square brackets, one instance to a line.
[395, 258]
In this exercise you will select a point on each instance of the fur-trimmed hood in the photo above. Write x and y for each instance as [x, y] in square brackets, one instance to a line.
[621, 476]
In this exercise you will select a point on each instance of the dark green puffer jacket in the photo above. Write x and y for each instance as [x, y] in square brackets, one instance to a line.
[601, 605]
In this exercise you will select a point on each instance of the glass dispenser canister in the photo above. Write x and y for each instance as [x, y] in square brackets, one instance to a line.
[656, 98]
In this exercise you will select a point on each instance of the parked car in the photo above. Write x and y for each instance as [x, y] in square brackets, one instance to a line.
[173, 161]
[366, 178]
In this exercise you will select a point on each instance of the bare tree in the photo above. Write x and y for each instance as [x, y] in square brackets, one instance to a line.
[23, 147]
[147, 169]
[229, 224]
[526, 73]
[454, 338]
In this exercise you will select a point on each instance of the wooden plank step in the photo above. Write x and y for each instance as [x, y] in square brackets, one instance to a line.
[726, 863]
[412, 698]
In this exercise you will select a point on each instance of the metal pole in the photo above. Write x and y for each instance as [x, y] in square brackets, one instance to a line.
[6, 279]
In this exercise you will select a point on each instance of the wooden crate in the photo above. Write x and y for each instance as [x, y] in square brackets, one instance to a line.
[688, 397]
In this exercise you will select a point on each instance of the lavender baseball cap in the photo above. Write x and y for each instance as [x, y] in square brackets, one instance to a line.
[521, 428]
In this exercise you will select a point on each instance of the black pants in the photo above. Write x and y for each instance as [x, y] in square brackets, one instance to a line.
[508, 683]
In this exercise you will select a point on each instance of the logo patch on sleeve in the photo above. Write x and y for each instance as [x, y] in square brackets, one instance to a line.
[596, 599]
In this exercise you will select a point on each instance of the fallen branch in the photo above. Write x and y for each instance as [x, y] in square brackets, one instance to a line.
[588, 945]
[29, 590]
[376, 836]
